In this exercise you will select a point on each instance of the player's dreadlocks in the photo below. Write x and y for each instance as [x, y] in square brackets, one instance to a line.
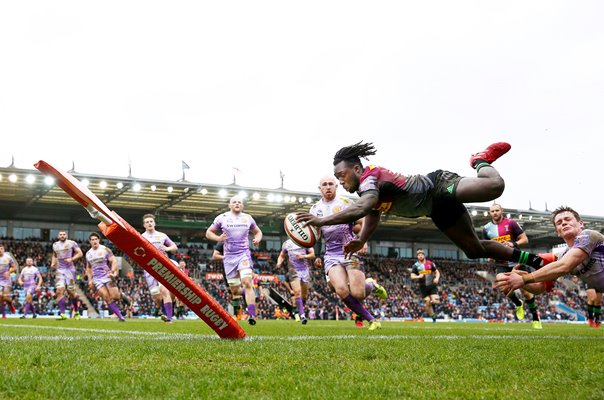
[352, 154]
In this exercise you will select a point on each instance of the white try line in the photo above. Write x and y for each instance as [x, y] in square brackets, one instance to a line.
[161, 336]
[422, 337]
[191, 337]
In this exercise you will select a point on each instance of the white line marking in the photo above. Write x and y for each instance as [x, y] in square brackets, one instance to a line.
[160, 336]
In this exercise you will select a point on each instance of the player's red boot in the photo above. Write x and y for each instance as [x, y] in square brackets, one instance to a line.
[547, 258]
[490, 154]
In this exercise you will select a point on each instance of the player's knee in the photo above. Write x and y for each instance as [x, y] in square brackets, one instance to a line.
[342, 291]
[358, 294]
[475, 251]
[494, 185]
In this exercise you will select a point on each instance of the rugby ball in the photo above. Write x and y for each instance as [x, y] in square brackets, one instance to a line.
[304, 236]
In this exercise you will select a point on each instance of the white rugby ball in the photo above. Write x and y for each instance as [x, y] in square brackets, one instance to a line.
[305, 236]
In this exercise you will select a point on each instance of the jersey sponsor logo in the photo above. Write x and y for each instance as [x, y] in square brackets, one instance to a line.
[503, 238]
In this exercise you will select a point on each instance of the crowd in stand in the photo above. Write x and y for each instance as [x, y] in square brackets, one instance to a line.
[464, 293]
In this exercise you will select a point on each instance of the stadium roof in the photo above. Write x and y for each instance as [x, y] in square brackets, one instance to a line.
[191, 205]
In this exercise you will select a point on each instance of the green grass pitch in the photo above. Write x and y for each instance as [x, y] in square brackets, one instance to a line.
[146, 359]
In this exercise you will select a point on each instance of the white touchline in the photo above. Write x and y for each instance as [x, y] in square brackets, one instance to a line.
[160, 336]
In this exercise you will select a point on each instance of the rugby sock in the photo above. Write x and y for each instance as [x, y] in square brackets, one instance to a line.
[358, 308]
[62, 305]
[26, 310]
[236, 306]
[590, 312]
[3, 310]
[532, 306]
[369, 288]
[169, 311]
[74, 303]
[597, 312]
[517, 302]
[300, 304]
[526, 258]
[251, 310]
[113, 307]
[478, 164]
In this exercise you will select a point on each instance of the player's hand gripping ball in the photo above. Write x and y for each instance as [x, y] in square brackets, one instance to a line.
[304, 236]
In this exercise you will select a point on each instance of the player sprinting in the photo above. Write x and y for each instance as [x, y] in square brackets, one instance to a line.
[345, 275]
[233, 228]
[31, 280]
[101, 269]
[298, 273]
[65, 253]
[235, 291]
[7, 267]
[594, 307]
[158, 292]
[180, 305]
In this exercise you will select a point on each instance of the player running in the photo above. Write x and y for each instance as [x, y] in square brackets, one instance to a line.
[162, 242]
[31, 280]
[65, 253]
[101, 269]
[298, 259]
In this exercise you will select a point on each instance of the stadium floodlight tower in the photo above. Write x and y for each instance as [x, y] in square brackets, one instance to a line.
[147, 256]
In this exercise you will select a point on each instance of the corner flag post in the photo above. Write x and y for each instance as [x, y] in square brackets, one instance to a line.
[148, 257]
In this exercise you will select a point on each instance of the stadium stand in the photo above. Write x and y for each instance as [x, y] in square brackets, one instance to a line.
[465, 291]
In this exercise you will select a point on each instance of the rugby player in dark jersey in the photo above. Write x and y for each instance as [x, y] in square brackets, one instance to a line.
[440, 195]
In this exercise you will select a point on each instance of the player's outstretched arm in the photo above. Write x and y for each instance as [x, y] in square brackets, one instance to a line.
[350, 214]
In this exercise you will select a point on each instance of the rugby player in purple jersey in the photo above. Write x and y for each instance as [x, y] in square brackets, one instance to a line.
[102, 271]
[298, 259]
[7, 267]
[31, 280]
[345, 275]
[65, 253]
[162, 242]
[233, 229]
